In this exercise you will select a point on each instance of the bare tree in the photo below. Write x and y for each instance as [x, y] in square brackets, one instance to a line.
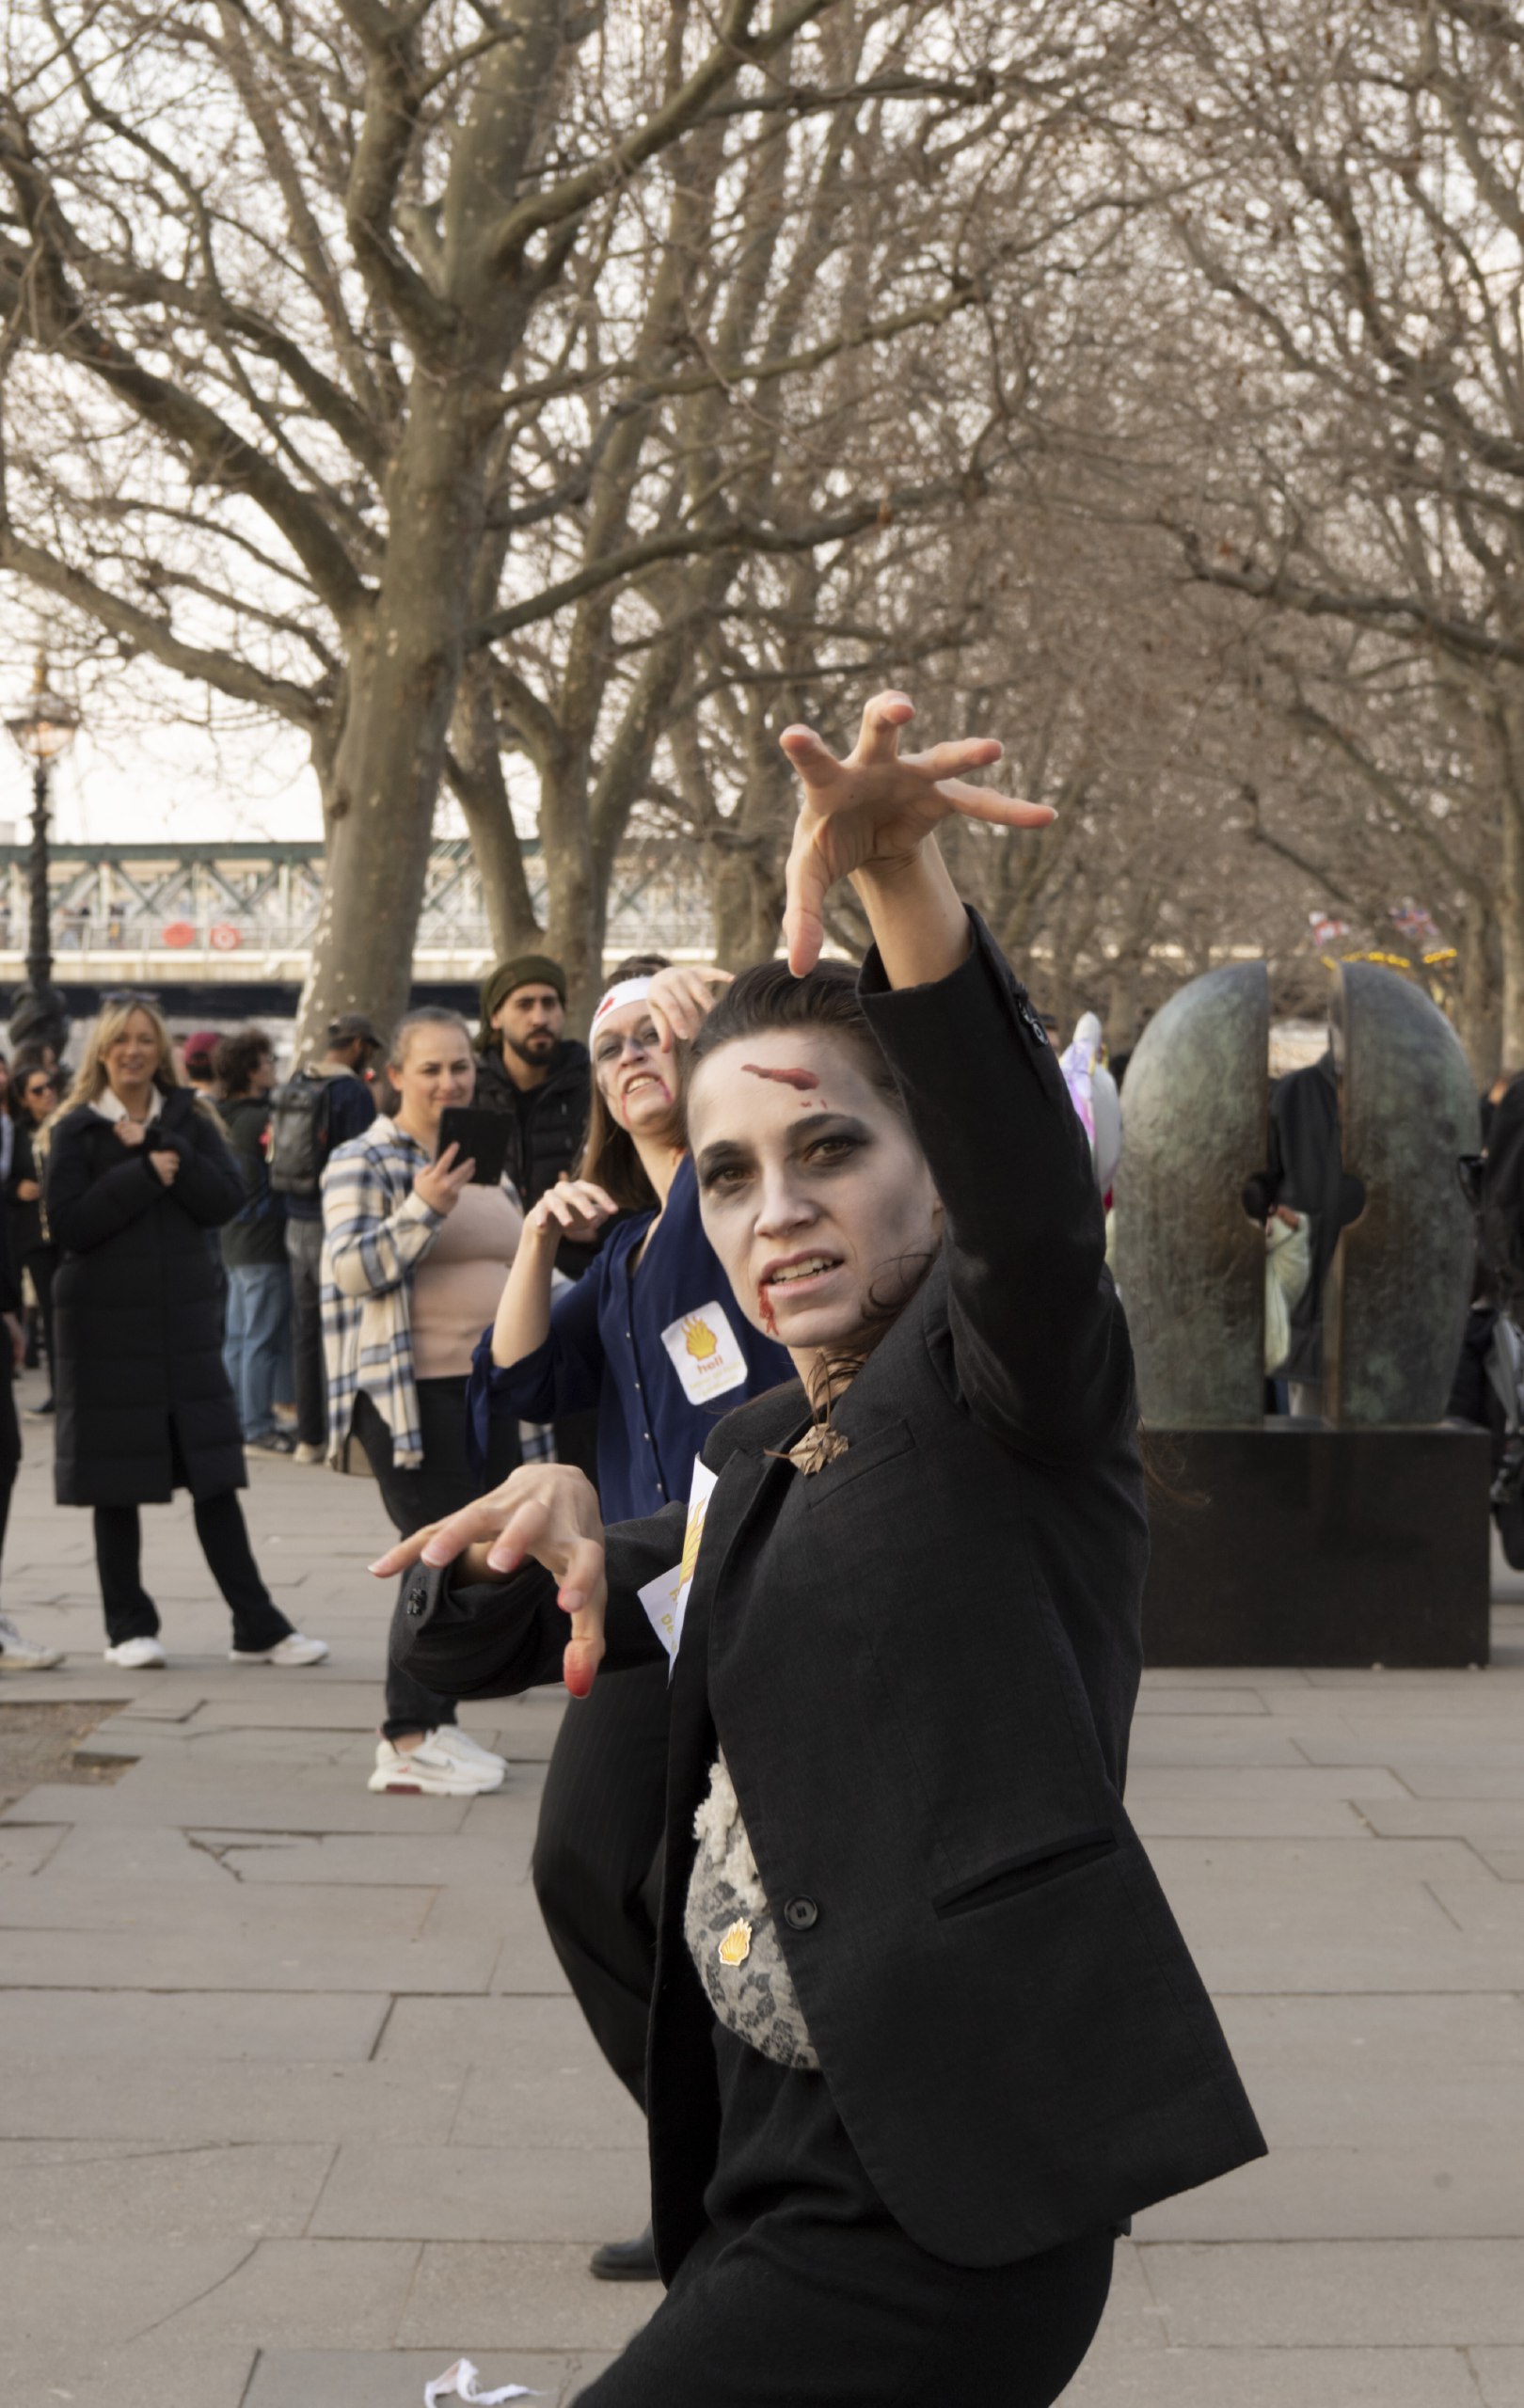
[375, 367]
[1344, 201]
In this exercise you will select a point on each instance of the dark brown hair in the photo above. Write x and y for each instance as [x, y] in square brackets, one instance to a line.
[769, 997]
[239, 1056]
[609, 1159]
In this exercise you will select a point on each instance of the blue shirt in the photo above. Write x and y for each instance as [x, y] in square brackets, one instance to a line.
[664, 1355]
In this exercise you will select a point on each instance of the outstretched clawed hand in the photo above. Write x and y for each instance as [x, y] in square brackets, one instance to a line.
[874, 810]
[546, 1510]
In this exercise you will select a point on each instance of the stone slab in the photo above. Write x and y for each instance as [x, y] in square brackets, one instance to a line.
[182, 2100]
[515, 2295]
[311, 2295]
[26, 1849]
[1280, 2378]
[454, 2033]
[1339, 2294]
[108, 2294]
[1246, 1819]
[1268, 1785]
[243, 1961]
[208, 1806]
[1159, 1694]
[495, 2193]
[396, 2378]
[194, 2023]
[63, 1901]
[141, 2374]
[1416, 2037]
[1433, 2182]
[94, 2190]
[1499, 2376]
[486, 1859]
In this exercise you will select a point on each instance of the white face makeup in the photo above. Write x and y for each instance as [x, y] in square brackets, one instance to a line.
[814, 1194]
[635, 1078]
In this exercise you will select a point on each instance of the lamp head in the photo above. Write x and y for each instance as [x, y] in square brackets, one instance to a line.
[45, 728]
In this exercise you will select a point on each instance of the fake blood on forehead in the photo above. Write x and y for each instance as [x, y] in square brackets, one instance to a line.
[803, 1082]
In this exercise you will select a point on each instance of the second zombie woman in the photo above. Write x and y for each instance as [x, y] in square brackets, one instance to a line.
[652, 1337]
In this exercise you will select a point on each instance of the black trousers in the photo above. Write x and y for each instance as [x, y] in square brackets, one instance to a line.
[11, 1438]
[130, 1612]
[803, 2289]
[440, 1484]
[43, 1261]
[598, 1857]
[304, 1252]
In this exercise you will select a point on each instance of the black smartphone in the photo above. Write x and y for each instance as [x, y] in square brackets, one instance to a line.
[482, 1138]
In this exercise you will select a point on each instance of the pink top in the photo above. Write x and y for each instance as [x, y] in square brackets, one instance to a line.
[457, 1284]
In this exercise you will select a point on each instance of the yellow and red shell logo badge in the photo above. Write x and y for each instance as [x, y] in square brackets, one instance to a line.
[699, 1339]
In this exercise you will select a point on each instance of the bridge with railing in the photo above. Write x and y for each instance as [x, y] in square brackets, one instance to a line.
[227, 928]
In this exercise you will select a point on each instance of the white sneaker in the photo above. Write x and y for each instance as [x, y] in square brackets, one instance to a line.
[292, 1649]
[19, 1655]
[137, 1656]
[467, 1751]
[429, 1770]
[307, 1453]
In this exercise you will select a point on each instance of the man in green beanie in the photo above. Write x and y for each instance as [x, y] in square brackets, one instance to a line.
[530, 1069]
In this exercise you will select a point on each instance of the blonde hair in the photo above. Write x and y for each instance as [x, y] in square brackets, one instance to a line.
[92, 1078]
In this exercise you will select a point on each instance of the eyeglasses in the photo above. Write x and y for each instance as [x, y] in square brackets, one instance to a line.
[129, 995]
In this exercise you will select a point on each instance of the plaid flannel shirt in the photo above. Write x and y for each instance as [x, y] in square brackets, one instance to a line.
[376, 1232]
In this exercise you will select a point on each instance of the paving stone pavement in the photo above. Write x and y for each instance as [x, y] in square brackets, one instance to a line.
[295, 2108]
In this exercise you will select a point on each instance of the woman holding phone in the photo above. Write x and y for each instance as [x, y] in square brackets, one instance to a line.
[925, 2031]
[414, 1258]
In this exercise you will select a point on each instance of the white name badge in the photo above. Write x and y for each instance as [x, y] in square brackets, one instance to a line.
[665, 1598]
[706, 1354]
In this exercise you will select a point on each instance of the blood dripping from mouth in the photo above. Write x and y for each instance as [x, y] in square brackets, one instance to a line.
[764, 1309]
[803, 1082]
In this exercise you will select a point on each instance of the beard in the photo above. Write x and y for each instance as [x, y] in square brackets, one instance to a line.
[532, 1049]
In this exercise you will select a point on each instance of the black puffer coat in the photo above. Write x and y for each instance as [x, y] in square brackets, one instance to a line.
[139, 1310]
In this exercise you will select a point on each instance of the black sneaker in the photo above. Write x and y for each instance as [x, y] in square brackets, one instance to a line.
[625, 2261]
[36, 1412]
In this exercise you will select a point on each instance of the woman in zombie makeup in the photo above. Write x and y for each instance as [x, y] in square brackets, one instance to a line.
[925, 2032]
[651, 1337]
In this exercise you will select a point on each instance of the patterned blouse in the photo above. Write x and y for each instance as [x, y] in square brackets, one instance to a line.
[731, 1935]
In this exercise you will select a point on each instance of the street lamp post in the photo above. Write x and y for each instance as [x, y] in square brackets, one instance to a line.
[45, 730]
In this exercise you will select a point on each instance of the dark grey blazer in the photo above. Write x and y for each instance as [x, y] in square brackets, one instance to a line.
[922, 1664]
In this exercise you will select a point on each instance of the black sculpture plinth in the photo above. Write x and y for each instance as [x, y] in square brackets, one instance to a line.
[1299, 1544]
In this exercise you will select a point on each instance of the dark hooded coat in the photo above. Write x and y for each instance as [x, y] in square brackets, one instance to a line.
[143, 1400]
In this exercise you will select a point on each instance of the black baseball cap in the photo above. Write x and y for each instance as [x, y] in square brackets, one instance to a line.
[350, 1027]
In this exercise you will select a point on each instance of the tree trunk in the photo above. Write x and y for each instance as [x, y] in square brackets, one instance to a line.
[1509, 903]
[483, 793]
[746, 896]
[404, 671]
[577, 906]
[1477, 1000]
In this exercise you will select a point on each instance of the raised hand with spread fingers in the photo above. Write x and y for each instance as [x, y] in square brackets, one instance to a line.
[868, 819]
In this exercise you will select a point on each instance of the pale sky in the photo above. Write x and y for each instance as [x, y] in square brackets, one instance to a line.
[147, 783]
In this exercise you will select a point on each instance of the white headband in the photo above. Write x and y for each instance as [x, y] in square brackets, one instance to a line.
[628, 990]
